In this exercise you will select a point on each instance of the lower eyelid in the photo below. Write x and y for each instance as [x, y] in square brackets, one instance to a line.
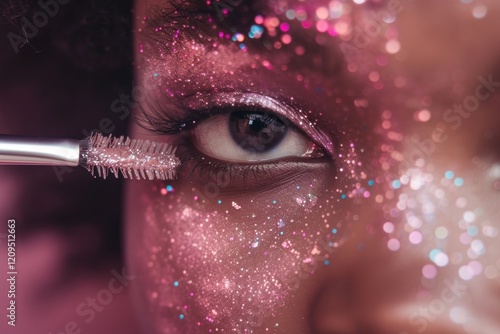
[256, 178]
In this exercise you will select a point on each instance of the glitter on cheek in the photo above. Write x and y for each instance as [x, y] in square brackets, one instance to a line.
[422, 116]
[441, 259]
[393, 244]
[286, 39]
[459, 182]
[415, 237]
[393, 46]
[466, 273]
[441, 232]
[479, 11]
[429, 271]
[388, 227]
[204, 268]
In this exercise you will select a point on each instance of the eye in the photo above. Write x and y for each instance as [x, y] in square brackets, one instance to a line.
[251, 136]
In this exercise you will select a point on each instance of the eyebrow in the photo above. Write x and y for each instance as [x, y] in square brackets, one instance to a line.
[198, 19]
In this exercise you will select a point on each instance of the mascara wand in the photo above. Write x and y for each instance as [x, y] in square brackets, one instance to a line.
[139, 159]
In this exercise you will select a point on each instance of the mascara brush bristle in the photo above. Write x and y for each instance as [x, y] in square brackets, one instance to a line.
[139, 159]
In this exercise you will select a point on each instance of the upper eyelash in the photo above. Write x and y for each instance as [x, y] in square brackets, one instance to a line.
[166, 117]
[168, 124]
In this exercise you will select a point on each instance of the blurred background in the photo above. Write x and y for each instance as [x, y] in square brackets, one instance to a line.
[60, 80]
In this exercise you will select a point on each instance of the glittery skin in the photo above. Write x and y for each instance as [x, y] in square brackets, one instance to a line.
[367, 239]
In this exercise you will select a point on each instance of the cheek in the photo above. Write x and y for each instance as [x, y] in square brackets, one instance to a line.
[229, 261]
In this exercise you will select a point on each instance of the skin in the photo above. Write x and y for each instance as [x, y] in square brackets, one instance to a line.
[204, 266]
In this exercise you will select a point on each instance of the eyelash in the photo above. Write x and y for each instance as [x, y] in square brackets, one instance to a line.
[167, 124]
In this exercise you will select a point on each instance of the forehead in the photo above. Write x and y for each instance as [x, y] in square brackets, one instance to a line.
[282, 30]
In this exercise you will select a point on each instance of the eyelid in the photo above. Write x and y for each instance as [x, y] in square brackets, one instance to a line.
[225, 100]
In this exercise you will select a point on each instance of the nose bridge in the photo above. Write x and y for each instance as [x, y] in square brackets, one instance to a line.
[333, 307]
[337, 302]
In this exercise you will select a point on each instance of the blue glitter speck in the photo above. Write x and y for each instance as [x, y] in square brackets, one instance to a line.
[181, 316]
[169, 188]
[472, 231]
[327, 262]
[449, 175]
[433, 253]
[396, 184]
[334, 231]
[219, 201]
[371, 183]
[256, 29]
[176, 283]
[459, 182]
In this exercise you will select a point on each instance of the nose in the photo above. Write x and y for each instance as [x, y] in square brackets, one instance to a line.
[342, 308]
[359, 291]
[333, 310]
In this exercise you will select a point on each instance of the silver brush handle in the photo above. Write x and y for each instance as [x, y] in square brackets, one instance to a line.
[16, 150]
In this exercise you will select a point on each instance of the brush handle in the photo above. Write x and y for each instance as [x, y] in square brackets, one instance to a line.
[16, 150]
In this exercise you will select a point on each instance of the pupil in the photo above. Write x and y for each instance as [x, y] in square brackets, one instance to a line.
[256, 131]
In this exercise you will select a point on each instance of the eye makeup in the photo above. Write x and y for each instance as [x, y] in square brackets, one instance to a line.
[189, 110]
[199, 77]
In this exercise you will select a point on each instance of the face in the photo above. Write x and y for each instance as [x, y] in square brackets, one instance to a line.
[340, 168]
